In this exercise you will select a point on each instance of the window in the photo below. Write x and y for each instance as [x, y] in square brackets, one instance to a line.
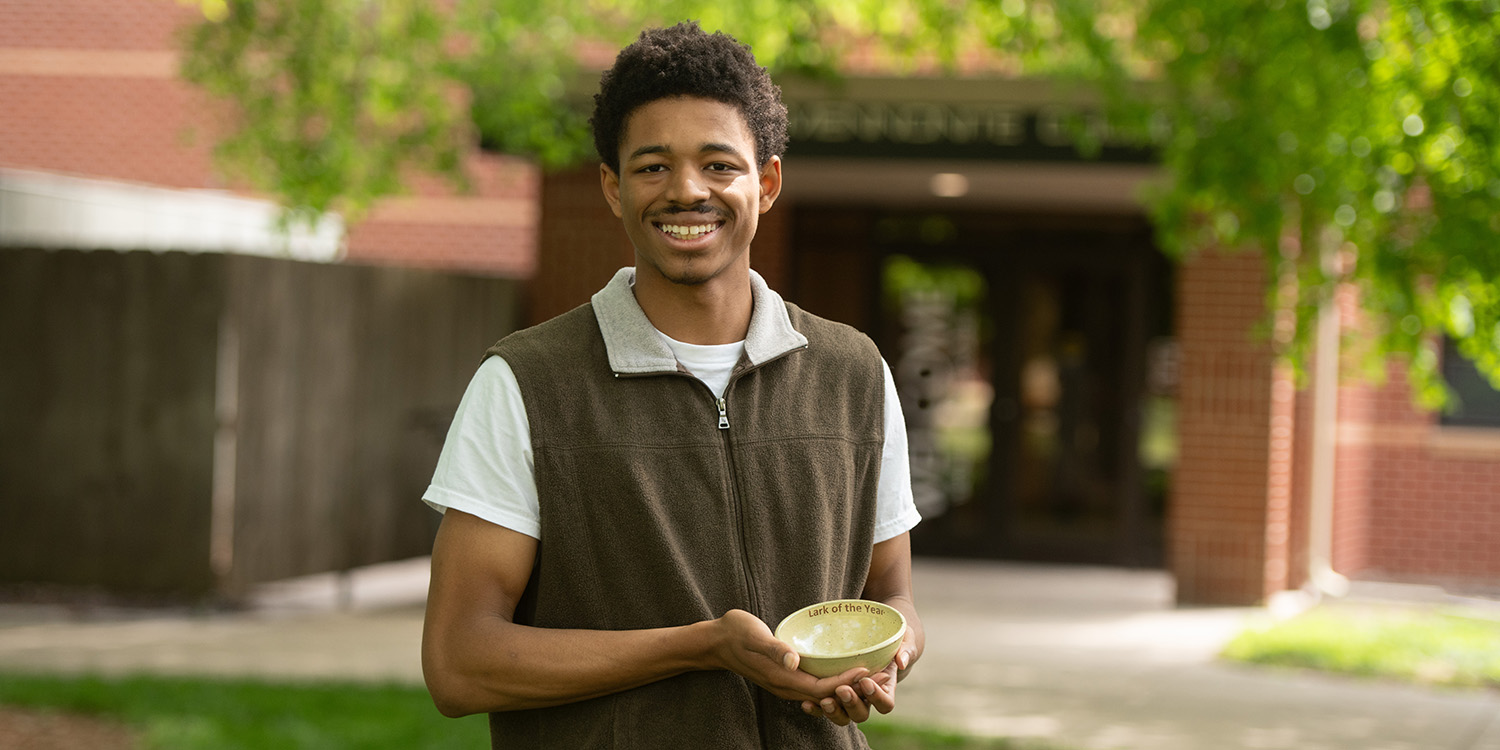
[1478, 401]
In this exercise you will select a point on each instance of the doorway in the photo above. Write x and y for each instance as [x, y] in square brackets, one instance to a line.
[1033, 360]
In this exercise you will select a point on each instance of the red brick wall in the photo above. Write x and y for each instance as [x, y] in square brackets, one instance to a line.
[1413, 501]
[1422, 501]
[491, 230]
[92, 24]
[90, 88]
[1353, 477]
[1222, 491]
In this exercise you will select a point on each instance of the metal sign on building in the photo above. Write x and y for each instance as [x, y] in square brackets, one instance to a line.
[955, 130]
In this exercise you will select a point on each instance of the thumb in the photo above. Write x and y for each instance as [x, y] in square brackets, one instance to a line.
[790, 659]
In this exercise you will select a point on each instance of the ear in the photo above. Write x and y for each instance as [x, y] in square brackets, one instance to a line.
[770, 183]
[610, 183]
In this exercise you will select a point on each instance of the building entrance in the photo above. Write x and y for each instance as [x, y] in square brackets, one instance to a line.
[1033, 359]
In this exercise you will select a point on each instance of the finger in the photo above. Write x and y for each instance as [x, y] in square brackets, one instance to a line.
[854, 706]
[881, 697]
[790, 660]
[795, 685]
[904, 657]
[833, 712]
[848, 678]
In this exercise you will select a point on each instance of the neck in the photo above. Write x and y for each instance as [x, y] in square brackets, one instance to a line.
[711, 313]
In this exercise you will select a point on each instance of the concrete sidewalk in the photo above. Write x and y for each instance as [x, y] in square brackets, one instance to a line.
[1100, 658]
[1089, 658]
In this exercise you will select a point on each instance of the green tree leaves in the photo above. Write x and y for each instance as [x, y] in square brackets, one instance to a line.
[333, 101]
[1360, 128]
[1354, 142]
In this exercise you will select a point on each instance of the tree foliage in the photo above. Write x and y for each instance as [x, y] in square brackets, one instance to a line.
[1354, 142]
[333, 101]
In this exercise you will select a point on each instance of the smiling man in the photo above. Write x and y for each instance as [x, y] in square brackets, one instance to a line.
[637, 490]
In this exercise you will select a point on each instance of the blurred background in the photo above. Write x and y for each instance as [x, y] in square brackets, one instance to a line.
[1193, 307]
[1164, 284]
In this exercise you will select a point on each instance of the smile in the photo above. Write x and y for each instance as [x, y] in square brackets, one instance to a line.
[688, 232]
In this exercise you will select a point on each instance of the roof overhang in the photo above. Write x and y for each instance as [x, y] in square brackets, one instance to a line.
[52, 211]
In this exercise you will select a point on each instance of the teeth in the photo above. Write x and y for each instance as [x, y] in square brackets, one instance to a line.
[681, 232]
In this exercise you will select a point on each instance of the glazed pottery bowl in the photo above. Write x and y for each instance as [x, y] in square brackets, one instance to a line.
[835, 636]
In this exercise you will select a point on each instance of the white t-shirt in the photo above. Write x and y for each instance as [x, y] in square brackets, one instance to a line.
[486, 468]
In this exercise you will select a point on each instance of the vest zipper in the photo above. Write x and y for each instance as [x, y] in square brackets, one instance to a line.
[752, 596]
[722, 402]
[722, 405]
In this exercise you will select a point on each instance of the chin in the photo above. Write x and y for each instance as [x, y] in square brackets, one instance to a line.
[689, 277]
[690, 271]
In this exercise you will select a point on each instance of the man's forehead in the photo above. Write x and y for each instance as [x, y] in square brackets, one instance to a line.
[717, 122]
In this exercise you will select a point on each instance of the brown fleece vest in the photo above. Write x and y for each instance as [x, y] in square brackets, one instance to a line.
[654, 516]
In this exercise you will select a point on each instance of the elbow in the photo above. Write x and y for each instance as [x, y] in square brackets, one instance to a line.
[447, 698]
[460, 685]
[456, 696]
[450, 710]
[454, 693]
[450, 689]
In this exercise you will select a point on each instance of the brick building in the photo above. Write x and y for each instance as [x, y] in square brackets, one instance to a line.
[1071, 395]
[214, 405]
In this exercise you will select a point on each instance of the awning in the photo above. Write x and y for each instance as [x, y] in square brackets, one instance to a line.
[53, 211]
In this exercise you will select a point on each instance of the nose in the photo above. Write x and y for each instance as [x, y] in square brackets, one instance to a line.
[687, 188]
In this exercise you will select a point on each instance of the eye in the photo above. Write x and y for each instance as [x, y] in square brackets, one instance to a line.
[653, 168]
[720, 166]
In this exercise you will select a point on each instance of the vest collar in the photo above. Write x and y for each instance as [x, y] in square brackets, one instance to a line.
[635, 348]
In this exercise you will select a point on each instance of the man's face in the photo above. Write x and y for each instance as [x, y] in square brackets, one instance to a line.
[688, 191]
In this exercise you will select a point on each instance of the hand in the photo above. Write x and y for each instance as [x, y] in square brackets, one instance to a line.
[746, 646]
[878, 691]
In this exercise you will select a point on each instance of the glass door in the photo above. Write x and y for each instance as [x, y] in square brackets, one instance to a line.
[1022, 377]
[943, 367]
[1067, 464]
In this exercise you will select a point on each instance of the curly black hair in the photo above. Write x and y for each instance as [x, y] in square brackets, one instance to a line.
[685, 61]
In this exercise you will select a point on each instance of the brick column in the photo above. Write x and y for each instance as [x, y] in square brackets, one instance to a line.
[1229, 521]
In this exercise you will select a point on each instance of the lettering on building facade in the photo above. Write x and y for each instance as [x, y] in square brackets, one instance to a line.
[916, 129]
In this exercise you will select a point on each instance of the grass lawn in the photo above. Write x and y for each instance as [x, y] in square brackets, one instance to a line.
[192, 714]
[1416, 645]
[188, 714]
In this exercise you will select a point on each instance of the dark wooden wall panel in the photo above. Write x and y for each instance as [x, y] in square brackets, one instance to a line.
[344, 379]
[106, 418]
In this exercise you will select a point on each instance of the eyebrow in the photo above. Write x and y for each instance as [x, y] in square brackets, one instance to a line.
[707, 148]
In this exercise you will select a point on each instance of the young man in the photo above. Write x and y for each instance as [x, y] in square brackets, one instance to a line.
[637, 490]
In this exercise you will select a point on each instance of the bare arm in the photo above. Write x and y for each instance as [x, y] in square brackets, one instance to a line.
[476, 659]
[888, 581]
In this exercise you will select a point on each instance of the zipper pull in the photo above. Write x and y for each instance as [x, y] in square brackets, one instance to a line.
[723, 415]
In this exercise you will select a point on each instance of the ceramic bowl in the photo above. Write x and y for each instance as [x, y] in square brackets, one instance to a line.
[835, 636]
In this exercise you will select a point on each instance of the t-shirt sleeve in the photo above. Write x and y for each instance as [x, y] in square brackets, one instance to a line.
[486, 468]
[895, 509]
